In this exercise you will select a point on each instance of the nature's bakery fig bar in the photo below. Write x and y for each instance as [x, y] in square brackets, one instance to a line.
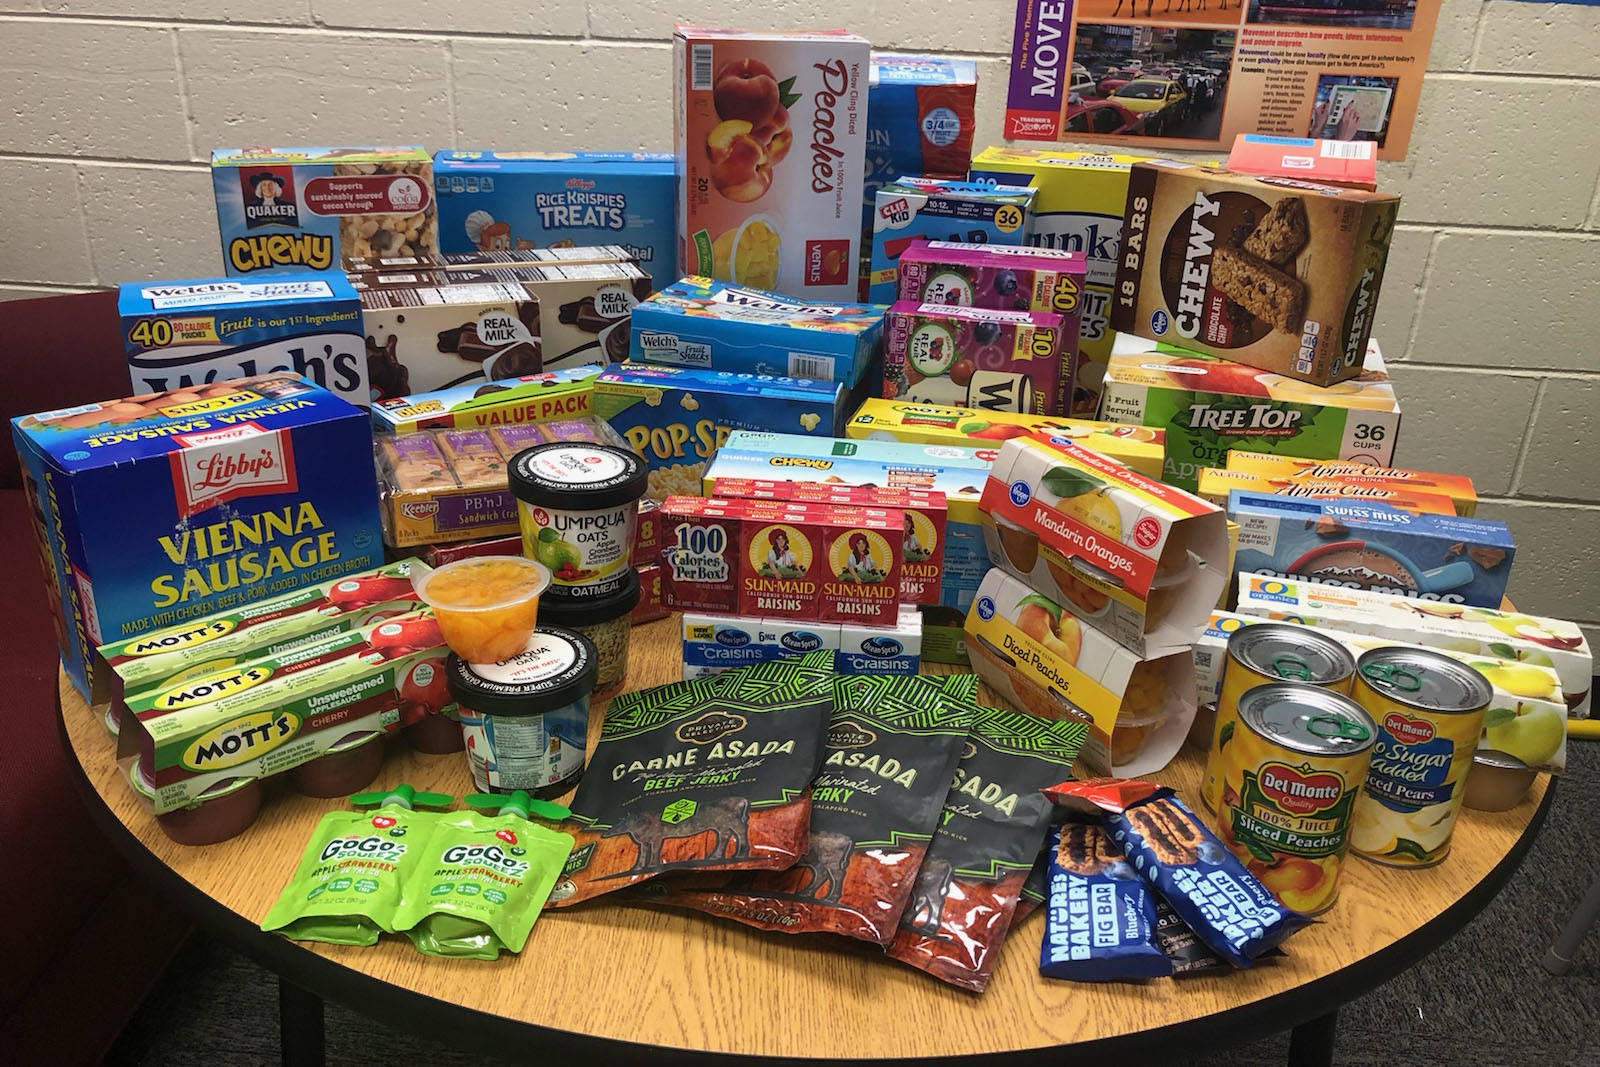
[1268, 272]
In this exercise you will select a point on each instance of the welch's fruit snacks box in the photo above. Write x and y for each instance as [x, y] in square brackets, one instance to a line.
[156, 510]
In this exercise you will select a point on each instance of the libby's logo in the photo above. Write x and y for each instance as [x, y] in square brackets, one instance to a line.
[1406, 730]
[824, 155]
[216, 466]
[1299, 792]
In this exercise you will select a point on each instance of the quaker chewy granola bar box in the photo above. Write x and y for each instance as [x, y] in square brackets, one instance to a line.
[292, 209]
[160, 509]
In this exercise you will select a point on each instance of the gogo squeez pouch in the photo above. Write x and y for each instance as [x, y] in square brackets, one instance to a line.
[349, 881]
[481, 882]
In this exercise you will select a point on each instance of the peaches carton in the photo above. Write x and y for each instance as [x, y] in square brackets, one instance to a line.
[1130, 556]
[1215, 485]
[1140, 447]
[1504, 634]
[770, 133]
[1457, 487]
[979, 357]
[1040, 658]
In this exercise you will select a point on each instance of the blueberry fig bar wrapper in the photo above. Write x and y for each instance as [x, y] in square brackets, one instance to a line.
[1100, 920]
[709, 774]
[892, 745]
[1226, 906]
[989, 835]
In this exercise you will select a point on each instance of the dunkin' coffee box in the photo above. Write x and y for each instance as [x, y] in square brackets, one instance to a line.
[1268, 272]
[158, 510]
[297, 209]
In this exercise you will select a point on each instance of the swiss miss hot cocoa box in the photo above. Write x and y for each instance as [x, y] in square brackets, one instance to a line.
[1130, 556]
[770, 132]
[1269, 272]
[163, 508]
[783, 559]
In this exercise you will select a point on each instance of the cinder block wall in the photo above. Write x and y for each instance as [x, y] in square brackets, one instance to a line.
[1488, 316]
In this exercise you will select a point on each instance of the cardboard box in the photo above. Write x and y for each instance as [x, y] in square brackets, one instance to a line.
[1007, 279]
[1370, 546]
[1126, 554]
[770, 135]
[501, 260]
[296, 209]
[1019, 361]
[710, 325]
[1210, 407]
[716, 643]
[652, 598]
[562, 394]
[911, 208]
[1216, 485]
[1311, 159]
[178, 335]
[1272, 273]
[1457, 487]
[1038, 658]
[165, 509]
[501, 201]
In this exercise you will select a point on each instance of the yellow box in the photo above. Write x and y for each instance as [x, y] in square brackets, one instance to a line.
[1457, 487]
[1215, 485]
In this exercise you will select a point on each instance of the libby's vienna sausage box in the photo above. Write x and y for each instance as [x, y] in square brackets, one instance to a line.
[156, 510]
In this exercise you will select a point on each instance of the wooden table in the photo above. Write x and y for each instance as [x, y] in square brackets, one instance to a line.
[616, 984]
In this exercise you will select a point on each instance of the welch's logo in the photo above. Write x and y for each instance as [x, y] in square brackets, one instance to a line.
[881, 647]
[800, 641]
[732, 638]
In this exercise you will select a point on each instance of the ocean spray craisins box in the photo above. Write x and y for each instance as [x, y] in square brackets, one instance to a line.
[770, 132]
[297, 209]
[1018, 361]
[159, 509]
[912, 208]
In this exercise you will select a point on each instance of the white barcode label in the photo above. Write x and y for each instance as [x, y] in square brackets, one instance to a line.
[1348, 149]
[816, 368]
[700, 68]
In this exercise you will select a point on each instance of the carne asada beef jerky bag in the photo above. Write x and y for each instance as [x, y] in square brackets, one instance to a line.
[892, 746]
[708, 774]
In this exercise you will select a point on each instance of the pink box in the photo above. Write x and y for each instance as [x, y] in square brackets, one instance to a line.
[971, 357]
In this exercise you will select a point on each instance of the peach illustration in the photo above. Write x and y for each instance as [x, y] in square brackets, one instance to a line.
[740, 168]
[747, 90]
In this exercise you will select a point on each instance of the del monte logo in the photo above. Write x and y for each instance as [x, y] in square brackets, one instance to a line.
[1406, 730]
[1300, 790]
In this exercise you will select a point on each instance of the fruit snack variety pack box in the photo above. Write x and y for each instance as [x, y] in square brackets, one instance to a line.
[504, 201]
[1273, 273]
[914, 208]
[705, 324]
[178, 335]
[1015, 361]
[299, 209]
[161, 509]
[1210, 407]
[557, 395]
[770, 133]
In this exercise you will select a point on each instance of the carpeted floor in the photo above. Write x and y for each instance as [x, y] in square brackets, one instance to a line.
[1481, 999]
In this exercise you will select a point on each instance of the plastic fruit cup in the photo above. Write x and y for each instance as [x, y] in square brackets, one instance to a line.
[487, 607]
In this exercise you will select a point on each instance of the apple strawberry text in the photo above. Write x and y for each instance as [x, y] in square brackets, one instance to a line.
[835, 83]
[1196, 267]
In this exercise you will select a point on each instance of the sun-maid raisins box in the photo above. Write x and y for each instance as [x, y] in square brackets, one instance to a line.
[161, 509]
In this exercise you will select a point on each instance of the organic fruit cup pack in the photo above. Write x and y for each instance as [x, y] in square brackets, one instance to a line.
[709, 774]
[349, 880]
[892, 745]
[990, 830]
[484, 878]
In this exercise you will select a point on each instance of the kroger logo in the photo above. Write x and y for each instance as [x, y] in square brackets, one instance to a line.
[732, 638]
[985, 608]
[1020, 493]
[881, 647]
[1158, 323]
[800, 641]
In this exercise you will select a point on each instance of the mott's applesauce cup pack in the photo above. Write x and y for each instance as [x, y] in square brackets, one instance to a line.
[1138, 447]
[504, 201]
[549, 397]
[704, 324]
[980, 357]
[1041, 659]
[1130, 556]
[912, 208]
[770, 134]
[1293, 470]
[1218, 485]
[1210, 407]
[160, 509]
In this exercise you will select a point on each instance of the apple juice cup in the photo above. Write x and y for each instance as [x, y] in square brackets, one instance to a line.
[487, 606]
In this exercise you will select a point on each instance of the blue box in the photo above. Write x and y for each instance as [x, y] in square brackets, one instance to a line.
[940, 210]
[154, 511]
[504, 201]
[1373, 546]
[182, 334]
[710, 325]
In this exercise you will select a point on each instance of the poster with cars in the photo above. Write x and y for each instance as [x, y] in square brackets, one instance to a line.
[1164, 74]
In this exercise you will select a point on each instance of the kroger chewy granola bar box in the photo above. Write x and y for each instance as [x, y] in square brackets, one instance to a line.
[160, 509]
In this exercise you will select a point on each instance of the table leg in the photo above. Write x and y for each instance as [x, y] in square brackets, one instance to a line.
[1558, 960]
[1311, 1043]
[300, 1031]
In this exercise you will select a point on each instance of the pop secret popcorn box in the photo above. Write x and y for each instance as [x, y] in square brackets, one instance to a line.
[771, 142]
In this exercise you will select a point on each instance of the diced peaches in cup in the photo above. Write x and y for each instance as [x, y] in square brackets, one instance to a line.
[487, 606]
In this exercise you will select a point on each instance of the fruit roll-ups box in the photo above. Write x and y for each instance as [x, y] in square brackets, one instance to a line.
[1018, 361]
[1371, 546]
[926, 513]
[1215, 485]
[563, 394]
[1458, 487]
[675, 418]
[1209, 407]
[1040, 658]
[1139, 447]
[710, 325]
[425, 501]
[516, 257]
[1133, 557]
[913, 208]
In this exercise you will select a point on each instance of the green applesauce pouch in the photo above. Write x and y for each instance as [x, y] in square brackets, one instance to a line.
[349, 881]
[484, 878]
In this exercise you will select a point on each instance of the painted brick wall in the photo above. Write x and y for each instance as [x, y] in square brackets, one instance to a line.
[1488, 314]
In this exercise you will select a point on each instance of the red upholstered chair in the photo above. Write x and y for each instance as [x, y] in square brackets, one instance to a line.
[90, 939]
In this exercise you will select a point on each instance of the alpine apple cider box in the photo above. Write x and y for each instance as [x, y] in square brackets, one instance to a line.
[1216, 485]
[1131, 556]
[770, 135]
[1458, 488]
